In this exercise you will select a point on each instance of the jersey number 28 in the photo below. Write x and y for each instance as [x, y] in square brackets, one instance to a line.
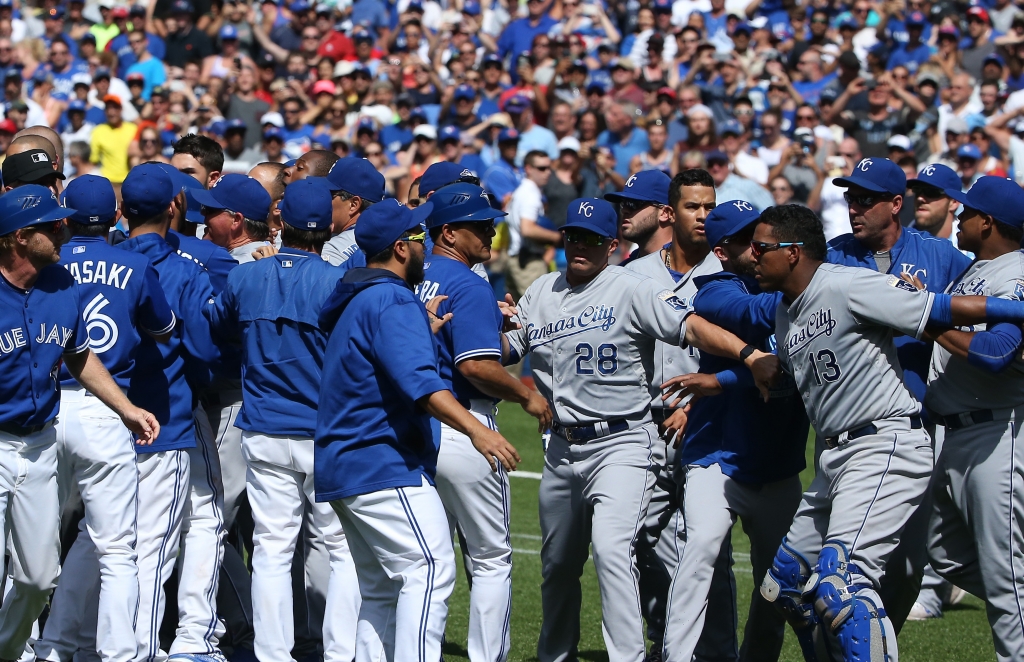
[607, 359]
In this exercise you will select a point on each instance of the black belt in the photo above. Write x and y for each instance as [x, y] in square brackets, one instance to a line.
[865, 430]
[582, 433]
[964, 419]
[214, 399]
[23, 430]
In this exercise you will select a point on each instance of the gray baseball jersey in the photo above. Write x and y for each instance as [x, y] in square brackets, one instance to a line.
[956, 386]
[243, 253]
[340, 247]
[836, 341]
[592, 347]
[672, 360]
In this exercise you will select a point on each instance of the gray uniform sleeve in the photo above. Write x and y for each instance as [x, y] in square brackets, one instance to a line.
[658, 313]
[886, 300]
[519, 339]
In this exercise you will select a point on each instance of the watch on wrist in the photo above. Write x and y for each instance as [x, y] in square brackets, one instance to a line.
[746, 352]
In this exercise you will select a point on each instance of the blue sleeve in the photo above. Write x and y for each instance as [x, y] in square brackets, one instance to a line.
[154, 313]
[196, 296]
[735, 378]
[218, 267]
[994, 349]
[79, 341]
[746, 315]
[403, 347]
[506, 40]
[475, 325]
[222, 313]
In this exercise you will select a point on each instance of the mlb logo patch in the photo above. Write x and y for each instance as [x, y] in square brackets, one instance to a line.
[672, 300]
[286, 264]
[311, 224]
[40, 158]
[78, 249]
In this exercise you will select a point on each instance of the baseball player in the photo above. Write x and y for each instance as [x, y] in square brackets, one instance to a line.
[357, 185]
[148, 195]
[44, 311]
[976, 390]
[375, 454]
[834, 328]
[591, 334]
[96, 454]
[645, 201]
[273, 305]
[476, 499]
[742, 456]
[879, 242]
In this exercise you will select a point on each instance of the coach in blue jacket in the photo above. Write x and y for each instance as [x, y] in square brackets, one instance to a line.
[375, 454]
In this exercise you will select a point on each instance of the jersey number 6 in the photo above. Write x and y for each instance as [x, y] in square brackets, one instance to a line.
[607, 359]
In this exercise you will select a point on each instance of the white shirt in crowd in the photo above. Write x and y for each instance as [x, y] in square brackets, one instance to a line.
[527, 202]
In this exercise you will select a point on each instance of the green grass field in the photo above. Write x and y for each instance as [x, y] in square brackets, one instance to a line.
[962, 635]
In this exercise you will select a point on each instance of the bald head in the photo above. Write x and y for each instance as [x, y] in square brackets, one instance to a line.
[314, 163]
[23, 143]
[271, 177]
[56, 149]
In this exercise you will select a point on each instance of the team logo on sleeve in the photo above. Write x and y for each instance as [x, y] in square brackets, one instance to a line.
[671, 299]
[899, 284]
[1018, 290]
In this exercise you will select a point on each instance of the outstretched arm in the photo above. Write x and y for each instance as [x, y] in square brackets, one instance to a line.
[88, 370]
[443, 406]
[713, 339]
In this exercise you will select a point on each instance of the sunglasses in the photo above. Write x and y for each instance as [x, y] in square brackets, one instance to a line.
[743, 112]
[819, 20]
[805, 118]
[929, 193]
[420, 237]
[50, 227]
[369, 154]
[583, 237]
[631, 206]
[759, 248]
[541, 168]
[865, 199]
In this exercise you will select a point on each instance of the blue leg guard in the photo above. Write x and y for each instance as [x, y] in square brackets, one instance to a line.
[857, 621]
[784, 586]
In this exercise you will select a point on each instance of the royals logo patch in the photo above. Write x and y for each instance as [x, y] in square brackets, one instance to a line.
[672, 300]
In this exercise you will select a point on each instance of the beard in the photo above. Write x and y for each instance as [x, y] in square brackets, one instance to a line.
[642, 229]
[414, 270]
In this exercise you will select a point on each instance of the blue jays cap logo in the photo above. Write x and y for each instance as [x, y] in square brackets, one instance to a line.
[30, 201]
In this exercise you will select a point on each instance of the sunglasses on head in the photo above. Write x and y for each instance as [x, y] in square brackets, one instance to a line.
[759, 248]
[865, 199]
[419, 237]
[585, 237]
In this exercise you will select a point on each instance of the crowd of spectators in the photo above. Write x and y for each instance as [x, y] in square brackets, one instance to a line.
[542, 101]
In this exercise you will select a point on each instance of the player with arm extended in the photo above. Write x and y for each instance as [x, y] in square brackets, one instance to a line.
[591, 335]
[741, 455]
[375, 452]
[477, 500]
[43, 312]
[976, 390]
[835, 336]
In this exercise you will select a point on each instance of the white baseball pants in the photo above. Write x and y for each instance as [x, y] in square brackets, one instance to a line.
[163, 494]
[404, 558]
[280, 482]
[478, 504]
[30, 511]
[96, 458]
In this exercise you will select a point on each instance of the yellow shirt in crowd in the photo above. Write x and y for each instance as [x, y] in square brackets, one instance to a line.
[110, 149]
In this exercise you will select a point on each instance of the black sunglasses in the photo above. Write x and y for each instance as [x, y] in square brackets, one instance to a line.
[585, 237]
[865, 199]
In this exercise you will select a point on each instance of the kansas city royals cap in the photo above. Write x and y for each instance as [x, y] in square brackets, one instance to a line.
[877, 175]
[1000, 198]
[29, 205]
[147, 191]
[357, 177]
[27, 167]
[729, 218]
[936, 175]
[237, 193]
[460, 203]
[646, 185]
[93, 199]
[306, 204]
[593, 214]
[441, 174]
[385, 223]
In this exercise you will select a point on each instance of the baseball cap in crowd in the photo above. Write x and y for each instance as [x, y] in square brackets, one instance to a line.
[217, 128]
[418, 113]
[443, 173]
[646, 186]
[828, 95]
[449, 133]
[937, 176]
[471, 7]
[273, 118]
[6, 3]
[492, 60]
[517, 104]
[994, 58]
[957, 125]
[28, 167]
[182, 7]
[76, 106]
[508, 135]
[569, 144]
[306, 204]
[119, 12]
[916, 19]
[731, 126]
[7, 126]
[384, 223]
[366, 124]
[464, 92]
[237, 193]
[667, 92]
[460, 203]
[228, 32]
[54, 14]
[979, 13]
[593, 214]
[596, 87]
[266, 61]
[88, 36]
[425, 131]
[101, 72]
[29, 205]
[949, 31]
[729, 218]
[579, 65]
[899, 142]
[877, 175]
[662, 6]
[12, 73]
[848, 23]
[1000, 198]
[624, 63]
[159, 91]
[324, 87]
[93, 199]
[273, 133]
[235, 125]
[968, 151]
[112, 99]
[147, 191]
[357, 177]
[716, 156]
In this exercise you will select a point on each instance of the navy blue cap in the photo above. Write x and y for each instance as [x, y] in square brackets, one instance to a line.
[465, 92]
[228, 32]
[29, 205]
[1000, 198]
[88, 36]
[727, 219]
[517, 104]
[237, 193]
[272, 133]
[386, 222]
[471, 7]
[441, 174]
[994, 57]
[508, 135]
[460, 203]
[937, 175]
[366, 124]
[306, 204]
[968, 151]
[743, 26]
[12, 72]
[877, 175]
[147, 190]
[731, 126]
[92, 197]
[916, 19]
[357, 177]
[449, 133]
[492, 59]
[101, 72]
[6, 3]
[235, 125]
[76, 105]
[418, 112]
[646, 185]
[593, 214]
[54, 13]
[182, 7]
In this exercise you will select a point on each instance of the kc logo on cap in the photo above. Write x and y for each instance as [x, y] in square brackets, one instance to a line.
[630, 181]
[743, 206]
[864, 165]
[586, 209]
[928, 170]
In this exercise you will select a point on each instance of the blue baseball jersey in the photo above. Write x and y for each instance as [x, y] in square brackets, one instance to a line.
[216, 261]
[475, 328]
[381, 358]
[752, 441]
[159, 382]
[122, 297]
[37, 327]
[936, 262]
[274, 305]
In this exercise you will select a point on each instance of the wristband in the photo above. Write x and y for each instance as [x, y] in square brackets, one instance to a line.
[746, 352]
[1003, 310]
